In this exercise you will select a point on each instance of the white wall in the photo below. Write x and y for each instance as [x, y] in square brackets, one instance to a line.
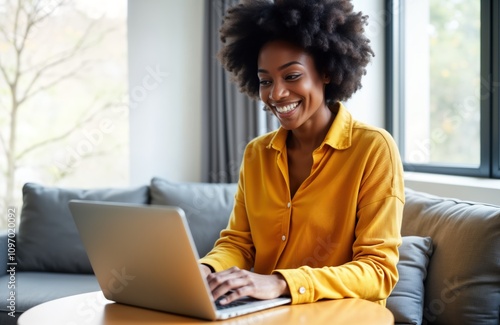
[165, 45]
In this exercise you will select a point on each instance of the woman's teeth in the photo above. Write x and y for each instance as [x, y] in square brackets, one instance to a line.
[287, 108]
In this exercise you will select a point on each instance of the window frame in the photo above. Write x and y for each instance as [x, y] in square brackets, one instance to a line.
[495, 63]
[489, 102]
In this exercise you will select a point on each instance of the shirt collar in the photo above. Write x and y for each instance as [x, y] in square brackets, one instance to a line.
[339, 135]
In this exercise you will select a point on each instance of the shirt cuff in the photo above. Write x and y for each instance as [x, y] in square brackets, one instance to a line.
[214, 265]
[209, 266]
[301, 287]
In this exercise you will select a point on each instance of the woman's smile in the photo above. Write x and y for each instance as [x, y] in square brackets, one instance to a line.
[286, 108]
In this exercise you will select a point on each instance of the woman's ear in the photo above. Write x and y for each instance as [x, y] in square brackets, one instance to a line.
[326, 79]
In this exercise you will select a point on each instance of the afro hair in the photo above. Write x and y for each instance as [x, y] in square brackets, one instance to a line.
[327, 29]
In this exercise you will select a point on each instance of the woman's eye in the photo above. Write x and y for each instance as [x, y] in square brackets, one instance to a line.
[264, 82]
[292, 76]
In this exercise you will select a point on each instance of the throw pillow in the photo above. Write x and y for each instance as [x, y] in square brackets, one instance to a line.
[48, 239]
[207, 207]
[406, 301]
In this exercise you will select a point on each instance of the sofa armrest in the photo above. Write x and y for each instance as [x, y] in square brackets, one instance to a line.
[3, 252]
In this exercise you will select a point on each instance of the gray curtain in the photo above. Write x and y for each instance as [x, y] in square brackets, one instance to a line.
[230, 118]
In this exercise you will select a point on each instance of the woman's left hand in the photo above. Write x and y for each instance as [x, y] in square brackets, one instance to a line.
[245, 283]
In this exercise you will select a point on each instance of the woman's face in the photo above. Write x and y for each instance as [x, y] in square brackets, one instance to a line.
[290, 85]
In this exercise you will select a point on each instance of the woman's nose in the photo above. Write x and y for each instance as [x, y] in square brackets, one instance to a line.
[278, 91]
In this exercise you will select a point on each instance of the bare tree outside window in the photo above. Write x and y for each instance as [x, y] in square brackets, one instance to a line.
[63, 104]
[442, 83]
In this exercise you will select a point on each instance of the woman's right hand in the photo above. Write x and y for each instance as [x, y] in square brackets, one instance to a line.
[235, 283]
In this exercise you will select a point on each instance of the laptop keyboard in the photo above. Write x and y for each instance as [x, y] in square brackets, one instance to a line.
[235, 303]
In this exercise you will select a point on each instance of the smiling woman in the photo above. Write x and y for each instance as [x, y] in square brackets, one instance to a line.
[319, 203]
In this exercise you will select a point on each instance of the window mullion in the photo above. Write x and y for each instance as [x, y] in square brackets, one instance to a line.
[485, 88]
[495, 88]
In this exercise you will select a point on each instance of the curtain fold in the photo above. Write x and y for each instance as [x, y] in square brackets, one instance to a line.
[230, 119]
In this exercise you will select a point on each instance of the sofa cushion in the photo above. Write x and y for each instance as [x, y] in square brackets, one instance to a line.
[207, 207]
[35, 288]
[463, 280]
[406, 301]
[48, 239]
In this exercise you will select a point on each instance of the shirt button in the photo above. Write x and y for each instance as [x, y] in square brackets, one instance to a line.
[289, 205]
[283, 238]
[302, 290]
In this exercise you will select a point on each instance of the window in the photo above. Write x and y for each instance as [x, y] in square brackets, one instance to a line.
[63, 95]
[443, 85]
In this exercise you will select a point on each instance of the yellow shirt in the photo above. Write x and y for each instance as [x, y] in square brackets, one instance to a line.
[339, 235]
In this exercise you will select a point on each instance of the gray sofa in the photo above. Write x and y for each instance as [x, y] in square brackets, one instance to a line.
[449, 265]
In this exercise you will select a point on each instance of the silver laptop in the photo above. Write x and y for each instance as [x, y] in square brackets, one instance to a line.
[144, 255]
